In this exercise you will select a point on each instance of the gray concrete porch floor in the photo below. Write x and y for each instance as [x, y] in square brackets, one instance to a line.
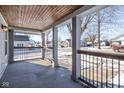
[37, 74]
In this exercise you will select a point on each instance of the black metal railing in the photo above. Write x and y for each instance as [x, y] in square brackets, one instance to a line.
[24, 53]
[100, 69]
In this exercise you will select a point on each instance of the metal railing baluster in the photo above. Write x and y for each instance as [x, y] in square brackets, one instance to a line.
[89, 68]
[83, 66]
[97, 71]
[86, 67]
[112, 74]
[93, 70]
[118, 73]
[101, 72]
[106, 72]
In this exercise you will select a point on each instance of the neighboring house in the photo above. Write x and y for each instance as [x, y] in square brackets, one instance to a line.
[70, 42]
[118, 40]
[89, 43]
[83, 43]
[105, 43]
[23, 41]
[38, 44]
[65, 43]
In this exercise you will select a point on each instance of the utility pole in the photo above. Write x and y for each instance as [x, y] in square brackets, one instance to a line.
[98, 16]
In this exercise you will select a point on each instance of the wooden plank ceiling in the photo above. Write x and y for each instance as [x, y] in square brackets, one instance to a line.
[38, 17]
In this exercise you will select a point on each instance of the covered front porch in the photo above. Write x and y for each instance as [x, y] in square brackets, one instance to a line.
[42, 69]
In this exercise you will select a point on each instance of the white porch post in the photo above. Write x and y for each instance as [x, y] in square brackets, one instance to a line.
[11, 45]
[76, 59]
[43, 44]
[55, 46]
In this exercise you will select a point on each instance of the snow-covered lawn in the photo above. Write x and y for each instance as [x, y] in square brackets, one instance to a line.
[116, 78]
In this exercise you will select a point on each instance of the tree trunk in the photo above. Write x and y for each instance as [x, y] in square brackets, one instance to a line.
[93, 44]
[70, 30]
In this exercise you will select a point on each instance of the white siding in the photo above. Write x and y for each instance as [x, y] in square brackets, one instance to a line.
[3, 58]
[122, 42]
[25, 43]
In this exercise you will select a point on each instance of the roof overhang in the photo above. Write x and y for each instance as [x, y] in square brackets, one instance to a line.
[79, 11]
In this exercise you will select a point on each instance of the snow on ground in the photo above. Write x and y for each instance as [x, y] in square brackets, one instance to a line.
[64, 54]
[115, 80]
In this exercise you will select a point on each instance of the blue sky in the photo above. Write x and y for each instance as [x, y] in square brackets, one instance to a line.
[62, 34]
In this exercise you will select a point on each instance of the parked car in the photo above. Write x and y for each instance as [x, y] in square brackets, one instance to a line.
[118, 48]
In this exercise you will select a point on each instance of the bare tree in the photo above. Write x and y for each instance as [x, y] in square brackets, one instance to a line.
[91, 34]
[69, 26]
[101, 19]
[84, 23]
[92, 37]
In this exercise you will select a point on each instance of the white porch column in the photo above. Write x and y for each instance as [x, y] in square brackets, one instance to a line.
[55, 46]
[43, 44]
[76, 59]
[11, 45]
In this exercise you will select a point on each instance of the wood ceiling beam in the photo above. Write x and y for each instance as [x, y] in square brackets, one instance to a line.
[25, 29]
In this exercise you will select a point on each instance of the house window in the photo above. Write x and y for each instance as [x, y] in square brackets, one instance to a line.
[6, 43]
